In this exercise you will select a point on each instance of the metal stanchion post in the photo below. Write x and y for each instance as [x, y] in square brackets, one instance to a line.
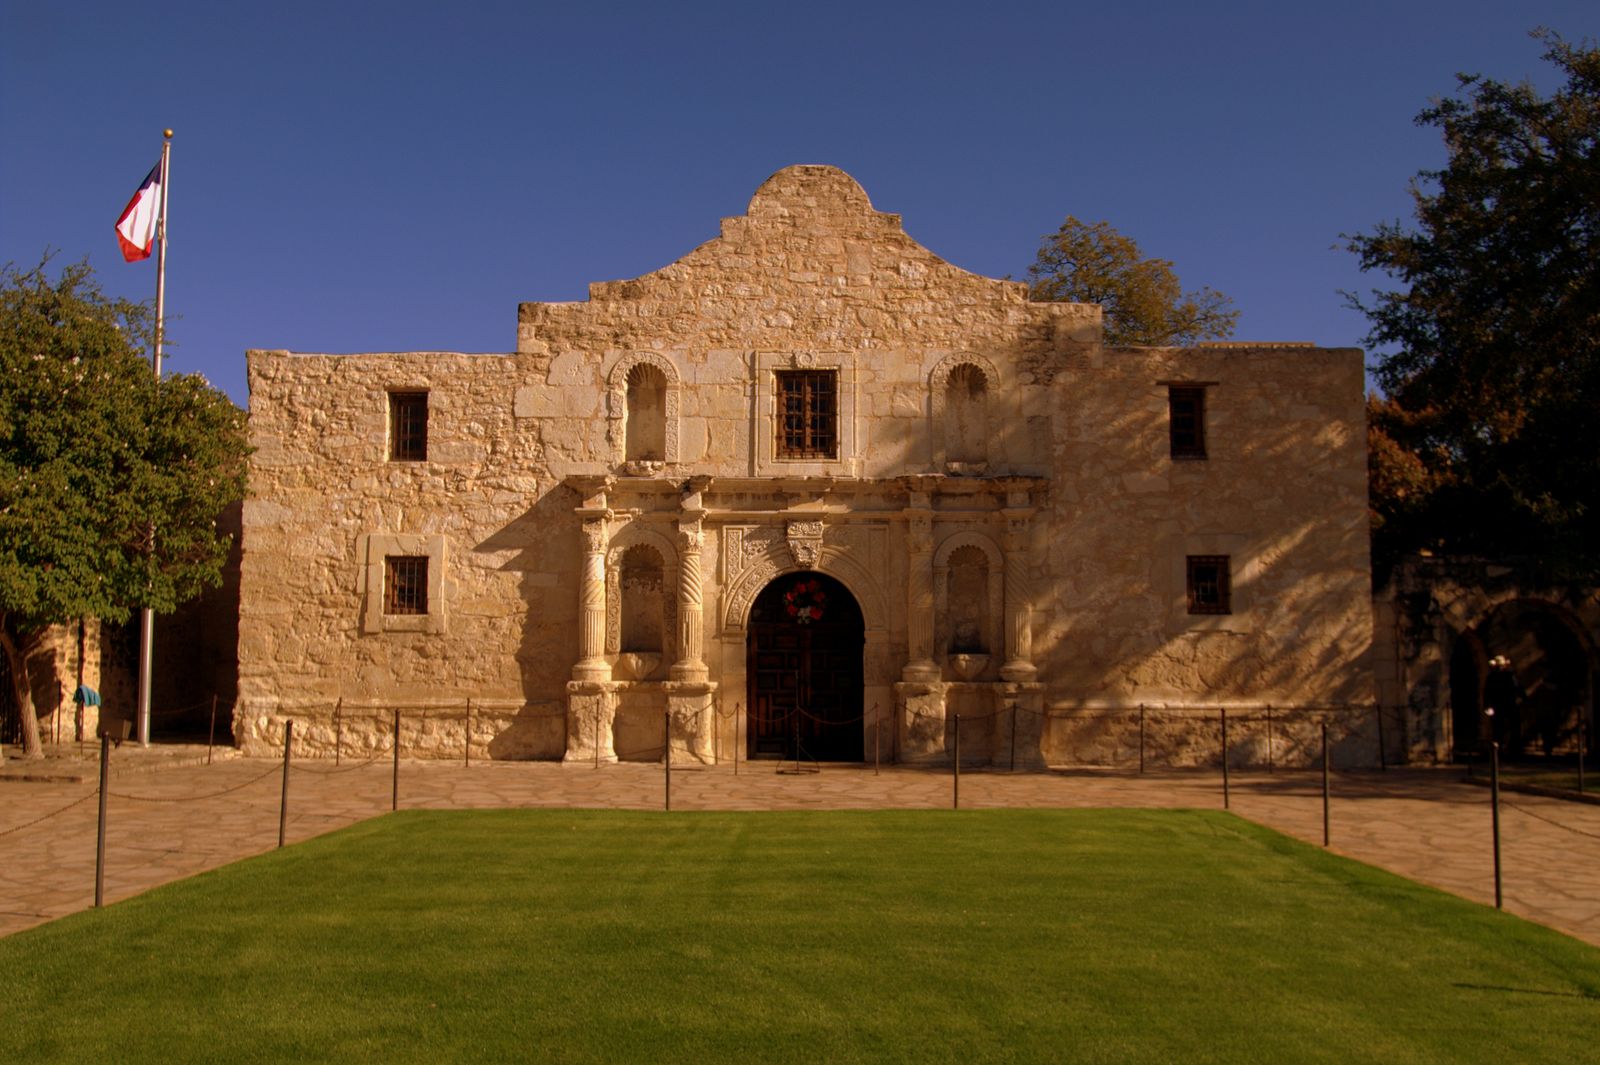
[1269, 738]
[1581, 743]
[1494, 802]
[100, 832]
[955, 769]
[1383, 754]
[211, 738]
[1226, 798]
[716, 737]
[1141, 739]
[338, 728]
[283, 798]
[394, 794]
[1324, 783]
[1013, 768]
[468, 743]
[666, 736]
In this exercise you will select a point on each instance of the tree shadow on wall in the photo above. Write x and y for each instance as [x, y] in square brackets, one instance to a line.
[543, 545]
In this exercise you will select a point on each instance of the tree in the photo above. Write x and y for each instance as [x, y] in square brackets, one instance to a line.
[110, 482]
[1492, 367]
[1144, 304]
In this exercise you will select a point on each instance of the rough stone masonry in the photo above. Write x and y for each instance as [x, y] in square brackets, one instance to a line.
[601, 538]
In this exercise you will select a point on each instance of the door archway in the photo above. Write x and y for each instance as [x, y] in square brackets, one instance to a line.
[804, 670]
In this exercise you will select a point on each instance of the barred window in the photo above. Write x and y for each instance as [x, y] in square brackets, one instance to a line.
[408, 426]
[1186, 409]
[1209, 585]
[405, 584]
[808, 414]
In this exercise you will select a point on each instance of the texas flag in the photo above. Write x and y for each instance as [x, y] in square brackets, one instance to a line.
[136, 229]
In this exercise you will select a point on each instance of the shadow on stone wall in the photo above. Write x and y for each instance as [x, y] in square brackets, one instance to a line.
[546, 550]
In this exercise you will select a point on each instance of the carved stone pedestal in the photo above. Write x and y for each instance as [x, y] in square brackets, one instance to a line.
[591, 713]
[922, 712]
[693, 709]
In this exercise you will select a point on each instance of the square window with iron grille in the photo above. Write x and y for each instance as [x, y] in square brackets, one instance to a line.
[1186, 411]
[405, 584]
[808, 414]
[408, 426]
[1208, 583]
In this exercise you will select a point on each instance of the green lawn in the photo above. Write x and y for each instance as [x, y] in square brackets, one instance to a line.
[1143, 936]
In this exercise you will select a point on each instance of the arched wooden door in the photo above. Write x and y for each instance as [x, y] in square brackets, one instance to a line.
[804, 671]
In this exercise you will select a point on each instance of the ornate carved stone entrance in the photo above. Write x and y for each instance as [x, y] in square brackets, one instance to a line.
[804, 671]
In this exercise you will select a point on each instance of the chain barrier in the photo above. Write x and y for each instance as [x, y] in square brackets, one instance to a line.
[276, 768]
[1523, 809]
[803, 712]
[29, 824]
[299, 765]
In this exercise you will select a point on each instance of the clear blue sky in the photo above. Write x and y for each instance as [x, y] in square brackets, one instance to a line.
[385, 177]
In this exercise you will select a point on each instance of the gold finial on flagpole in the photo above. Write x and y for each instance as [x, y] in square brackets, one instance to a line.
[167, 133]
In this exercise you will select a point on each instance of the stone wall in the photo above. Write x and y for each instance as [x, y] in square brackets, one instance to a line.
[1282, 492]
[1442, 622]
[998, 473]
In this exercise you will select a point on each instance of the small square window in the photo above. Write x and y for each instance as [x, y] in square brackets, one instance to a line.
[405, 584]
[808, 414]
[408, 426]
[1209, 584]
[1186, 410]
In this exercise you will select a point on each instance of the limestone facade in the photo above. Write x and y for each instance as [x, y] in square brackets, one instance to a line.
[611, 514]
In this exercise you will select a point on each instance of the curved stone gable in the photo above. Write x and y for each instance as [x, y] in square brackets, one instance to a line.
[811, 263]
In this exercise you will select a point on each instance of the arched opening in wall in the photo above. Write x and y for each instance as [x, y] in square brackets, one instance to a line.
[804, 671]
[1469, 734]
[1544, 688]
[646, 429]
[966, 412]
[969, 602]
[643, 612]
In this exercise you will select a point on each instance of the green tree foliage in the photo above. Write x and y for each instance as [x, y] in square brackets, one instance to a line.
[1089, 262]
[110, 483]
[1492, 367]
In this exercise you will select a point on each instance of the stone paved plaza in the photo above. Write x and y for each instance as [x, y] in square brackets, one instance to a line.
[186, 817]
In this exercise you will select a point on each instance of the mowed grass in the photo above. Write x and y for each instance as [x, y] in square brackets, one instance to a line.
[576, 936]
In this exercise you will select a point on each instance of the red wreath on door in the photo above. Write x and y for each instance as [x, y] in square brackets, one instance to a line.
[805, 600]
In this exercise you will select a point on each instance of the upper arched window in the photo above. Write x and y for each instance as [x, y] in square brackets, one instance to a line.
[647, 415]
[642, 404]
[966, 412]
[963, 427]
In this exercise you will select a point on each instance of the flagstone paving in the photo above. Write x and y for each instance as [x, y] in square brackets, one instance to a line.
[189, 817]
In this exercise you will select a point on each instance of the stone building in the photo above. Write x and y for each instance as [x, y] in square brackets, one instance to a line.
[1457, 637]
[809, 486]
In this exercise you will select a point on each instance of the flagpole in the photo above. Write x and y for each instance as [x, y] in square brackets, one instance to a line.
[147, 618]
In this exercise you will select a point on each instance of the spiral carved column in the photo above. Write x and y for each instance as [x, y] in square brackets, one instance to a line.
[690, 665]
[1019, 665]
[592, 663]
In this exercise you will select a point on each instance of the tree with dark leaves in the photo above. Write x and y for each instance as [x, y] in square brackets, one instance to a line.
[1490, 344]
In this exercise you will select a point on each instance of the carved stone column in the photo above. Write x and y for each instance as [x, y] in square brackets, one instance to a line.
[1019, 665]
[691, 698]
[690, 665]
[592, 665]
[920, 666]
[591, 703]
